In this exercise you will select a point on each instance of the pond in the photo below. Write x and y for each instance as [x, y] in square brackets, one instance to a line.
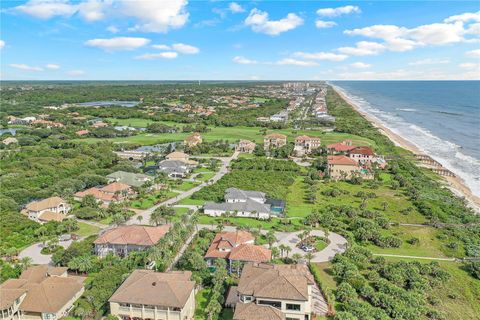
[106, 103]
[12, 131]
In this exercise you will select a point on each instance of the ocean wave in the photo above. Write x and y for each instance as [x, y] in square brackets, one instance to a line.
[449, 113]
[407, 109]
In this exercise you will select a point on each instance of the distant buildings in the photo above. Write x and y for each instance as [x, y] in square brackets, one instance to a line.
[193, 139]
[41, 292]
[147, 294]
[245, 146]
[274, 140]
[236, 246]
[114, 192]
[306, 145]
[244, 203]
[280, 116]
[50, 209]
[264, 291]
[122, 240]
[132, 179]
[82, 132]
[9, 141]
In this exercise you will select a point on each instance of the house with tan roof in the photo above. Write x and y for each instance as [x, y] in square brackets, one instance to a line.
[113, 192]
[193, 139]
[344, 168]
[9, 140]
[122, 240]
[41, 292]
[50, 209]
[286, 288]
[236, 246]
[147, 294]
[274, 140]
[306, 145]
[181, 156]
[245, 146]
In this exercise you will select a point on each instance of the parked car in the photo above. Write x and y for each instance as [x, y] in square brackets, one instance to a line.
[307, 248]
[65, 237]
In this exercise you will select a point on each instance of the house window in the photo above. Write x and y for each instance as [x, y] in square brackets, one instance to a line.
[276, 304]
[293, 307]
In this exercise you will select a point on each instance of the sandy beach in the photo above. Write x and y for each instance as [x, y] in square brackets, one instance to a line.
[455, 184]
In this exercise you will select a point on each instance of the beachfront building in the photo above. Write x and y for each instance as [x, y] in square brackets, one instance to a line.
[362, 155]
[132, 179]
[122, 240]
[344, 168]
[340, 147]
[40, 293]
[236, 246]
[273, 288]
[50, 209]
[306, 145]
[147, 294]
[274, 140]
[114, 192]
[193, 140]
[245, 146]
[245, 203]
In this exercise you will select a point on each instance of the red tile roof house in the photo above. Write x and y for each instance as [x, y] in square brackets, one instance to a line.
[125, 239]
[305, 145]
[340, 147]
[236, 246]
[344, 168]
[362, 155]
[82, 132]
[114, 192]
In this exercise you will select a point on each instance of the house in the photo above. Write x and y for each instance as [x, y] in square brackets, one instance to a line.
[274, 140]
[306, 145]
[41, 292]
[50, 209]
[286, 288]
[82, 132]
[9, 141]
[181, 156]
[122, 240]
[114, 192]
[47, 123]
[174, 168]
[340, 147]
[100, 124]
[236, 246]
[245, 146]
[147, 294]
[193, 139]
[242, 203]
[344, 168]
[362, 154]
[132, 179]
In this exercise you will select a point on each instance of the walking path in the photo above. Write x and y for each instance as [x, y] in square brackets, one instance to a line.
[413, 257]
[182, 250]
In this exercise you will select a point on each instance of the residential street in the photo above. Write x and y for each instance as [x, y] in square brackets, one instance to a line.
[33, 252]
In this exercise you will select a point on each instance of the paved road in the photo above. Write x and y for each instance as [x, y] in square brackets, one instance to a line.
[185, 194]
[34, 252]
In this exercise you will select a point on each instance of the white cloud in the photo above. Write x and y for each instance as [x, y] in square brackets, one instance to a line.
[464, 17]
[470, 65]
[118, 43]
[363, 48]
[25, 67]
[321, 24]
[260, 22]
[321, 56]
[75, 73]
[161, 55]
[185, 48]
[161, 47]
[360, 65]
[335, 12]
[235, 7]
[429, 61]
[2, 44]
[156, 16]
[46, 9]
[112, 29]
[52, 66]
[473, 53]
[243, 60]
[94, 10]
[295, 62]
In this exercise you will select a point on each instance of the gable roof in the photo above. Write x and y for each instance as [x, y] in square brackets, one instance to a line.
[275, 136]
[289, 282]
[44, 204]
[250, 252]
[9, 295]
[340, 146]
[115, 187]
[130, 178]
[227, 240]
[148, 287]
[305, 138]
[176, 155]
[235, 193]
[253, 311]
[133, 235]
[364, 150]
[51, 216]
[341, 161]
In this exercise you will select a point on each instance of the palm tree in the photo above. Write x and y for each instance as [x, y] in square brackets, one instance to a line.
[26, 262]
[296, 257]
[282, 248]
[309, 257]
[194, 221]
[275, 252]
[270, 236]
[237, 265]
[220, 226]
[287, 250]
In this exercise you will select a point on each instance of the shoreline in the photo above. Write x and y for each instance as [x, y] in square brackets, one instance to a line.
[455, 184]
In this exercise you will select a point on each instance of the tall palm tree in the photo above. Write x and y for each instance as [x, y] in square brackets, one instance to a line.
[309, 257]
[287, 250]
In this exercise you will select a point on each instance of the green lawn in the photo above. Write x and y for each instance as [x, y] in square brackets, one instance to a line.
[86, 230]
[205, 176]
[190, 201]
[186, 185]
[201, 301]
[150, 200]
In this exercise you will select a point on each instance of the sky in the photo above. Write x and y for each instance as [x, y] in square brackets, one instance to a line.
[242, 40]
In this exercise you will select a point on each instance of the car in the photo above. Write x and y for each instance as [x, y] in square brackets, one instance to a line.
[65, 237]
[307, 248]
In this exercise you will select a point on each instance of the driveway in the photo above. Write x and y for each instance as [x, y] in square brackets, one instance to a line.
[34, 252]
[185, 194]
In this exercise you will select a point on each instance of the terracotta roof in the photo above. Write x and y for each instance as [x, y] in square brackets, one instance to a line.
[227, 240]
[276, 136]
[286, 282]
[340, 146]
[253, 311]
[97, 193]
[367, 151]
[341, 160]
[250, 252]
[44, 204]
[52, 216]
[115, 187]
[148, 287]
[82, 132]
[134, 234]
[305, 138]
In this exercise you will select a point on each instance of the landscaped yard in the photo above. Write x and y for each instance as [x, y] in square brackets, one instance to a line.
[186, 185]
[86, 230]
[150, 200]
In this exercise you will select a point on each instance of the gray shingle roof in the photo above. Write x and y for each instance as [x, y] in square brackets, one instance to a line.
[171, 166]
[234, 193]
[247, 206]
[132, 179]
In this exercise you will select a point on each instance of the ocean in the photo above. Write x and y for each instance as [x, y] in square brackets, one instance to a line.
[442, 118]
